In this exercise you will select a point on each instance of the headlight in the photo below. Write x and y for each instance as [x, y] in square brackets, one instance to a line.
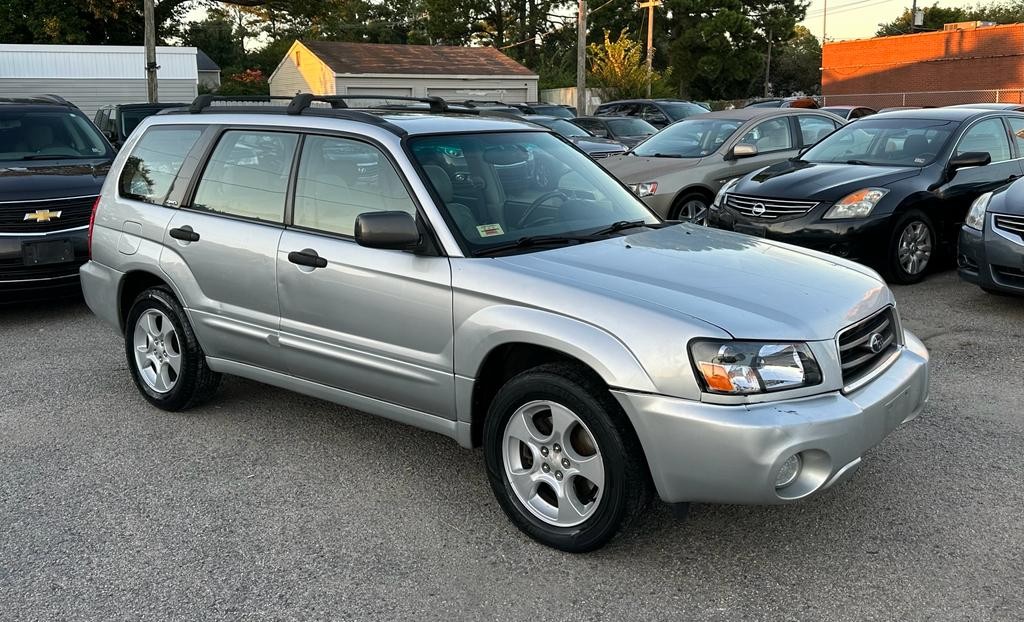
[644, 189]
[720, 197]
[745, 367]
[976, 217]
[857, 205]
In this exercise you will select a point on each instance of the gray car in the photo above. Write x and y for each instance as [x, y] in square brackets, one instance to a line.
[484, 279]
[679, 170]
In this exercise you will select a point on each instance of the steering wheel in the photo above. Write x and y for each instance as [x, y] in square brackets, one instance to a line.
[547, 196]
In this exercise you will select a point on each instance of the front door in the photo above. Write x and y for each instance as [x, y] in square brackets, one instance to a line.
[377, 323]
[774, 141]
[959, 191]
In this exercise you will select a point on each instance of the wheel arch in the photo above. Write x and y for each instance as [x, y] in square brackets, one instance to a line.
[134, 283]
[677, 200]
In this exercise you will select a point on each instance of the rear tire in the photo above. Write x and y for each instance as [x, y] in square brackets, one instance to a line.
[578, 476]
[164, 358]
[912, 249]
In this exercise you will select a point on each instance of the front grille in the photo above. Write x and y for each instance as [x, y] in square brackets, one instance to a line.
[1010, 224]
[856, 353]
[770, 209]
[74, 212]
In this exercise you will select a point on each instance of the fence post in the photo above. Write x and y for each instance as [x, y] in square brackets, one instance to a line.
[904, 98]
[997, 96]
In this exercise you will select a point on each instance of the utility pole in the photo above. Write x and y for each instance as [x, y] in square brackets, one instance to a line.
[913, 16]
[768, 65]
[824, 23]
[581, 59]
[649, 5]
[150, 39]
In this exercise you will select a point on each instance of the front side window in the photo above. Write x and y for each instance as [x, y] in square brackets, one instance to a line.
[770, 135]
[814, 128]
[652, 115]
[689, 138]
[884, 142]
[498, 188]
[339, 179]
[150, 170]
[49, 135]
[988, 136]
[247, 175]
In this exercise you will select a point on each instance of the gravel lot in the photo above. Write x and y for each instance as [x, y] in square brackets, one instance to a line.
[269, 505]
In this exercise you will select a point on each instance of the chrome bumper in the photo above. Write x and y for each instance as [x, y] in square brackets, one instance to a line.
[733, 454]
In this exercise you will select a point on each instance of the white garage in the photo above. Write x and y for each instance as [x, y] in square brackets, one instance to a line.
[93, 76]
[451, 72]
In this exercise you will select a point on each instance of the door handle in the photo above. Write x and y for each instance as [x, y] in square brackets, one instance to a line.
[307, 257]
[185, 234]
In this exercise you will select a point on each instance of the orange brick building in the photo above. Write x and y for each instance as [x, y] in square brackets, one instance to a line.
[954, 66]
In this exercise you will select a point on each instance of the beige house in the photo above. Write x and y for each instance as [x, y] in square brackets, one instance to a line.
[451, 72]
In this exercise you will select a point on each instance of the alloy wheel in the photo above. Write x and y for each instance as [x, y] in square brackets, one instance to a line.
[157, 351]
[553, 463]
[695, 211]
[914, 249]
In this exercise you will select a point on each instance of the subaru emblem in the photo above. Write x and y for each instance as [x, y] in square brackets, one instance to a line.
[876, 342]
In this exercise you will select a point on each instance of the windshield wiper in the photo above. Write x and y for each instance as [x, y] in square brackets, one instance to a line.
[619, 226]
[534, 240]
[665, 155]
[862, 162]
[40, 156]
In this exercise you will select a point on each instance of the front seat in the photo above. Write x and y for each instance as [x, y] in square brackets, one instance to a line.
[461, 214]
[914, 146]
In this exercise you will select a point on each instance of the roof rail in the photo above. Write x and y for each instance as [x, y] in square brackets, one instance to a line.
[303, 100]
[204, 101]
[38, 99]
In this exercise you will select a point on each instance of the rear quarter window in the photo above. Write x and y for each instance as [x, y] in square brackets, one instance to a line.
[149, 172]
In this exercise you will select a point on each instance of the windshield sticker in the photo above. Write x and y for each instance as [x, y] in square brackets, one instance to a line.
[487, 231]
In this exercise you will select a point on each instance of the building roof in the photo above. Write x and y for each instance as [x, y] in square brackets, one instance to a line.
[204, 62]
[383, 58]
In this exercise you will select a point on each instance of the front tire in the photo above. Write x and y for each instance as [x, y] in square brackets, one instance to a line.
[164, 358]
[912, 249]
[562, 460]
[691, 207]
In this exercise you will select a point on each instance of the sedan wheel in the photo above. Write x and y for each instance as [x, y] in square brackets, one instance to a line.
[692, 208]
[915, 247]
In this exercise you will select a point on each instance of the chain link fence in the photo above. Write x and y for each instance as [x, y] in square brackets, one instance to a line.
[926, 98]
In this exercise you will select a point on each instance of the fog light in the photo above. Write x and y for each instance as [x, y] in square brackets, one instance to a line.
[788, 472]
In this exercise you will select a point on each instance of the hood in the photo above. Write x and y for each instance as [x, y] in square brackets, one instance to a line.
[41, 179]
[593, 144]
[634, 169]
[1008, 200]
[752, 288]
[825, 182]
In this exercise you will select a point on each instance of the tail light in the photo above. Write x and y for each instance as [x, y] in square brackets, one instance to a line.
[92, 223]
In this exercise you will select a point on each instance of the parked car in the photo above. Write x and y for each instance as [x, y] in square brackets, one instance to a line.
[629, 131]
[991, 249]
[992, 106]
[657, 112]
[52, 164]
[117, 122]
[553, 110]
[594, 146]
[589, 348]
[890, 190]
[678, 171]
[850, 113]
[783, 102]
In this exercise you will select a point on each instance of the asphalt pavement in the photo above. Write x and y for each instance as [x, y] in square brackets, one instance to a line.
[265, 504]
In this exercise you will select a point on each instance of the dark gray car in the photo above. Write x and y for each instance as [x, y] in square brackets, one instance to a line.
[629, 131]
[991, 249]
[679, 170]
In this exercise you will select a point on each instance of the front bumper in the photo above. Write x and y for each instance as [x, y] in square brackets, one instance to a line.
[862, 240]
[19, 280]
[732, 454]
[991, 260]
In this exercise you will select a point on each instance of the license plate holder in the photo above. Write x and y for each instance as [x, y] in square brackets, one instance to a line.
[47, 252]
[754, 230]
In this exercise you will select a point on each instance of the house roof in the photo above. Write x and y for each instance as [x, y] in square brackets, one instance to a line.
[382, 58]
[204, 62]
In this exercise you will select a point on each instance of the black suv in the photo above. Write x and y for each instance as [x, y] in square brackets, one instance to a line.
[657, 112]
[52, 164]
[117, 122]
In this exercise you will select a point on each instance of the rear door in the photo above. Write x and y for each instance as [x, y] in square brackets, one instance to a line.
[377, 323]
[220, 249]
[989, 135]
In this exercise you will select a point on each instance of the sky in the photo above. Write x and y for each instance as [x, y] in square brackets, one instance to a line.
[859, 19]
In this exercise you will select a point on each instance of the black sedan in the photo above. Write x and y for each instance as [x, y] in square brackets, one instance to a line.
[991, 251]
[629, 131]
[890, 190]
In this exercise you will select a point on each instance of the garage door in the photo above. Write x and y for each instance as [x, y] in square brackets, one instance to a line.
[369, 90]
[509, 96]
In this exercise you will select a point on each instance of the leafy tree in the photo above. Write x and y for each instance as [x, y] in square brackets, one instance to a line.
[618, 70]
[796, 65]
[88, 22]
[935, 17]
[217, 37]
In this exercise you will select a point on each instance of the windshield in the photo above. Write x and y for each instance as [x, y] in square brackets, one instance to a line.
[555, 111]
[681, 110]
[498, 188]
[49, 135]
[884, 142]
[691, 138]
[629, 126]
[563, 127]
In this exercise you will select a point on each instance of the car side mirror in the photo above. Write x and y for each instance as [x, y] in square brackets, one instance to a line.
[743, 150]
[394, 230]
[967, 159]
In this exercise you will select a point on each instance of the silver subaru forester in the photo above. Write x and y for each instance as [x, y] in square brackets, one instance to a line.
[484, 279]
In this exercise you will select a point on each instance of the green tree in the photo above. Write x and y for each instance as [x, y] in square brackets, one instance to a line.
[935, 17]
[796, 65]
[217, 37]
[618, 70]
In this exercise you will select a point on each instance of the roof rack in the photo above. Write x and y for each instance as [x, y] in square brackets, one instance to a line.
[303, 100]
[38, 99]
[204, 101]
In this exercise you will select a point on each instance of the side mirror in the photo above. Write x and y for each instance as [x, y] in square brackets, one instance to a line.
[388, 230]
[743, 150]
[968, 158]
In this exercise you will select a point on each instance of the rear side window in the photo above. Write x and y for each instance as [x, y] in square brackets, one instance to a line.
[988, 136]
[814, 128]
[247, 175]
[149, 173]
[1017, 127]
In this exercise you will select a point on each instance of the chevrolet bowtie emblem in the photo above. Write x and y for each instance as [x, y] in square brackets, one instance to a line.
[43, 215]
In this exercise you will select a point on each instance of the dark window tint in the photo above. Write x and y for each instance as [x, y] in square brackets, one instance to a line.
[150, 170]
[340, 179]
[652, 115]
[607, 109]
[814, 128]
[247, 175]
[988, 136]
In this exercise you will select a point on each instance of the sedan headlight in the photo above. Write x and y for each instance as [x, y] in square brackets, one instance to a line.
[720, 197]
[745, 367]
[858, 204]
[644, 188]
[976, 216]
